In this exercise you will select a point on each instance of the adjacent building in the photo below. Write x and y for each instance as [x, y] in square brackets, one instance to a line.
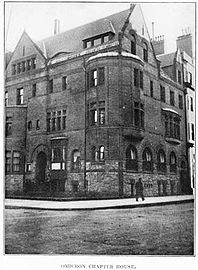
[91, 110]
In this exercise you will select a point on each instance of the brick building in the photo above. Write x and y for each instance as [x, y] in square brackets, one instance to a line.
[90, 109]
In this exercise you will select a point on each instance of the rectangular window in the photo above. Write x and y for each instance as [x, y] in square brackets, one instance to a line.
[141, 80]
[8, 161]
[180, 102]
[18, 67]
[51, 86]
[34, 90]
[28, 64]
[8, 129]
[139, 114]
[6, 98]
[172, 98]
[23, 66]
[101, 76]
[16, 161]
[101, 113]
[48, 121]
[14, 69]
[162, 94]
[93, 78]
[19, 96]
[179, 76]
[191, 104]
[64, 83]
[190, 77]
[56, 120]
[136, 77]
[93, 116]
[97, 41]
[33, 63]
[192, 132]
[151, 88]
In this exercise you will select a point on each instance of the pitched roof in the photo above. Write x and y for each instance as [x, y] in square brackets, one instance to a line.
[166, 59]
[72, 40]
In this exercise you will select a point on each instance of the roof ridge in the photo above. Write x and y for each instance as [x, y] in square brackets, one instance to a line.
[84, 25]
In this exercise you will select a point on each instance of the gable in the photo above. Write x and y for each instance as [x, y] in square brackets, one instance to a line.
[138, 23]
[26, 49]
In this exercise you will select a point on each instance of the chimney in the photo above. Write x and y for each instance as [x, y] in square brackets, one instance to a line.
[56, 27]
[184, 42]
[158, 44]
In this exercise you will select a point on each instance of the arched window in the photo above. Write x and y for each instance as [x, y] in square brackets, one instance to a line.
[147, 158]
[145, 52]
[76, 160]
[131, 158]
[173, 162]
[101, 153]
[161, 161]
[133, 45]
[29, 125]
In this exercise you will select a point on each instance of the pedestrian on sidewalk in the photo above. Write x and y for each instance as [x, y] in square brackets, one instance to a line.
[139, 189]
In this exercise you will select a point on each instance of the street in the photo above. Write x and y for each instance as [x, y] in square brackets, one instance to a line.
[157, 230]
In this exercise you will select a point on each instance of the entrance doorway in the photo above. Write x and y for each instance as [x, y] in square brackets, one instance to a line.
[41, 163]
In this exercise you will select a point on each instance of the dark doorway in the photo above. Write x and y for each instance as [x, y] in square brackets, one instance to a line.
[41, 163]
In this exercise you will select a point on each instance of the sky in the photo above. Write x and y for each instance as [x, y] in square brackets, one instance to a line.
[37, 18]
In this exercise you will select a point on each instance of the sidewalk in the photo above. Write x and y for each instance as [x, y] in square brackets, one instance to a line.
[96, 204]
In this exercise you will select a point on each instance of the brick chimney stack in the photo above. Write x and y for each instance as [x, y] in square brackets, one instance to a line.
[158, 44]
[56, 27]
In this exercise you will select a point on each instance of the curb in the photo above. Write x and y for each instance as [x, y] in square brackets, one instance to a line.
[101, 207]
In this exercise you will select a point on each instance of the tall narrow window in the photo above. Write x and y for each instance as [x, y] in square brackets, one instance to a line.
[34, 90]
[147, 164]
[141, 80]
[23, 50]
[38, 124]
[139, 114]
[101, 76]
[161, 161]
[145, 52]
[190, 77]
[23, 66]
[151, 88]
[8, 128]
[63, 119]
[16, 161]
[94, 153]
[94, 78]
[133, 45]
[131, 158]
[93, 113]
[18, 67]
[8, 161]
[192, 132]
[76, 163]
[33, 63]
[58, 120]
[172, 98]
[6, 98]
[19, 96]
[101, 153]
[179, 76]
[162, 94]
[29, 126]
[48, 121]
[64, 83]
[180, 102]
[101, 113]
[136, 77]
[51, 86]
[173, 162]
[28, 64]
[191, 104]
[13, 69]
